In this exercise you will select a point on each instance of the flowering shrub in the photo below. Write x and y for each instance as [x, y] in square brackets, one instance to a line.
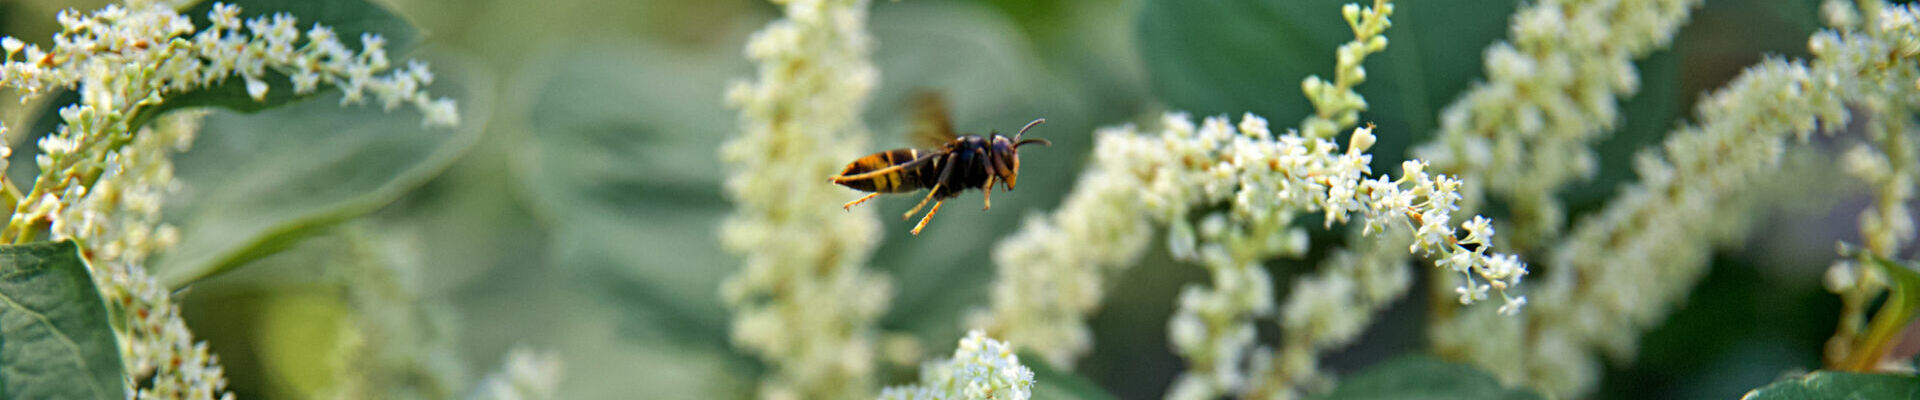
[617, 199]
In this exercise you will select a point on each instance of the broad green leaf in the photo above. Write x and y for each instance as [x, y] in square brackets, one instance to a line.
[55, 340]
[1839, 385]
[349, 20]
[1050, 383]
[620, 160]
[1235, 56]
[1423, 377]
[254, 184]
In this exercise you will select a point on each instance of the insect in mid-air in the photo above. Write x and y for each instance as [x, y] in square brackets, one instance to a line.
[952, 164]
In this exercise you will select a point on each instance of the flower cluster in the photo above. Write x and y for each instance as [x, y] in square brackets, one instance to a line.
[1262, 178]
[1214, 326]
[141, 55]
[104, 174]
[982, 368]
[125, 62]
[117, 220]
[1051, 272]
[1552, 91]
[802, 301]
[1883, 47]
[1628, 265]
[1267, 181]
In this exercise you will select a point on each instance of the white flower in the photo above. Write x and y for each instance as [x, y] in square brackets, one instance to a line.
[1513, 304]
[1478, 230]
[256, 88]
[981, 368]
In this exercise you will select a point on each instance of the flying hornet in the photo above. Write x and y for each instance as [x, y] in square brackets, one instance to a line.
[952, 164]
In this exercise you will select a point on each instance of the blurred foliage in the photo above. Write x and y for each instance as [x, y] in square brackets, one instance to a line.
[627, 180]
[1421, 377]
[575, 208]
[57, 342]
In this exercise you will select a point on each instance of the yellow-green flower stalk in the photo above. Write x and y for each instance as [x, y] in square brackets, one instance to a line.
[102, 178]
[802, 301]
[1336, 105]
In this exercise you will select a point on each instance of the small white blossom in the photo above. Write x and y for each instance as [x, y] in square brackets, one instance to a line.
[981, 368]
[1513, 304]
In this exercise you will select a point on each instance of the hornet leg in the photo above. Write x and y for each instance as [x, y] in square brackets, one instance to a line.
[923, 220]
[945, 171]
[923, 203]
[989, 194]
[850, 204]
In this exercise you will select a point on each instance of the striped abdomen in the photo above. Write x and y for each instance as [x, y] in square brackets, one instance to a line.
[903, 180]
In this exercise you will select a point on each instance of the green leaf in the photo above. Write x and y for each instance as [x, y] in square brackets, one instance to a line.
[348, 18]
[1423, 377]
[620, 161]
[1050, 383]
[1234, 56]
[55, 342]
[255, 184]
[1840, 385]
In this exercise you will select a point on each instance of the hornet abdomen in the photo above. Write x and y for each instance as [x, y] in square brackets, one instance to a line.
[903, 180]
